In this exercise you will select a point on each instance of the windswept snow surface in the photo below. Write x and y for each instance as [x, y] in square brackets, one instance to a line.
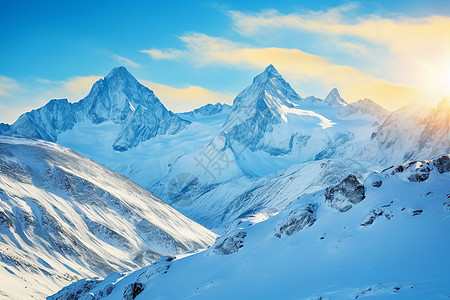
[391, 242]
[64, 217]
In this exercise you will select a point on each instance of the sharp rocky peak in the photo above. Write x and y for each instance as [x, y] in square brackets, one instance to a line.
[334, 98]
[268, 89]
[269, 73]
[121, 73]
[119, 98]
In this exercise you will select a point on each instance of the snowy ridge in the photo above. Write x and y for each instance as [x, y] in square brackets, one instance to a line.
[64, 217]
[207, 110]
[218, 206]
[390, 244]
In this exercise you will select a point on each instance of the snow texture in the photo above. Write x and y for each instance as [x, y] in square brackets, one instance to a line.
[378, 249]
[64, 217]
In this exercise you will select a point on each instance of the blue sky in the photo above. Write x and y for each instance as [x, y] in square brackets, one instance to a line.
[194, 52]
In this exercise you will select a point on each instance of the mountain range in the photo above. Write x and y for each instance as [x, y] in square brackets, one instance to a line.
[288, 168]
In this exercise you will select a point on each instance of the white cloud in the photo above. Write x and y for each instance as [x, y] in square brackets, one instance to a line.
[126, 61]
[416, 51]
[166, 54]
[8, 85]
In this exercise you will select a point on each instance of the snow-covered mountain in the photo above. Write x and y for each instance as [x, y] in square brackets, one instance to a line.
[64, 217]
[435, 137]
[383, 238]
[271, 127]
[215, 169]
[366, 107]
[411, 132]
[118, 99]
[226, 152]
[334, 98]
[269, 172]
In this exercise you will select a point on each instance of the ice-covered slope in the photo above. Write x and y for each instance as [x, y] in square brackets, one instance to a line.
[118, 98]
[64, 217]
[384, 239]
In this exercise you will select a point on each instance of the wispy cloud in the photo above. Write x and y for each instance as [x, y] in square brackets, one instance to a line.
[166, 54]
[126, 61]
[8, 85]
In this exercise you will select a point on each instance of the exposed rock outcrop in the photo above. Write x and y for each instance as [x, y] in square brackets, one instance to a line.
[342, 196]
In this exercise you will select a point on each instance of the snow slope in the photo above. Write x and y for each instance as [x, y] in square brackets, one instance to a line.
[64, 217]
[385, 238]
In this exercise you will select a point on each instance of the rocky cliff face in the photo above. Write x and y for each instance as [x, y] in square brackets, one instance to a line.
[342, 196]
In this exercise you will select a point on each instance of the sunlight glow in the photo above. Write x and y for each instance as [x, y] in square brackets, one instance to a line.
[446, 79]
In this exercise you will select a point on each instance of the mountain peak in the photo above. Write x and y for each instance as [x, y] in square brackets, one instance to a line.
[271, 69]
[119, 98]
[120, 72]
[268, 89]
[268, 73]
[334, 98]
